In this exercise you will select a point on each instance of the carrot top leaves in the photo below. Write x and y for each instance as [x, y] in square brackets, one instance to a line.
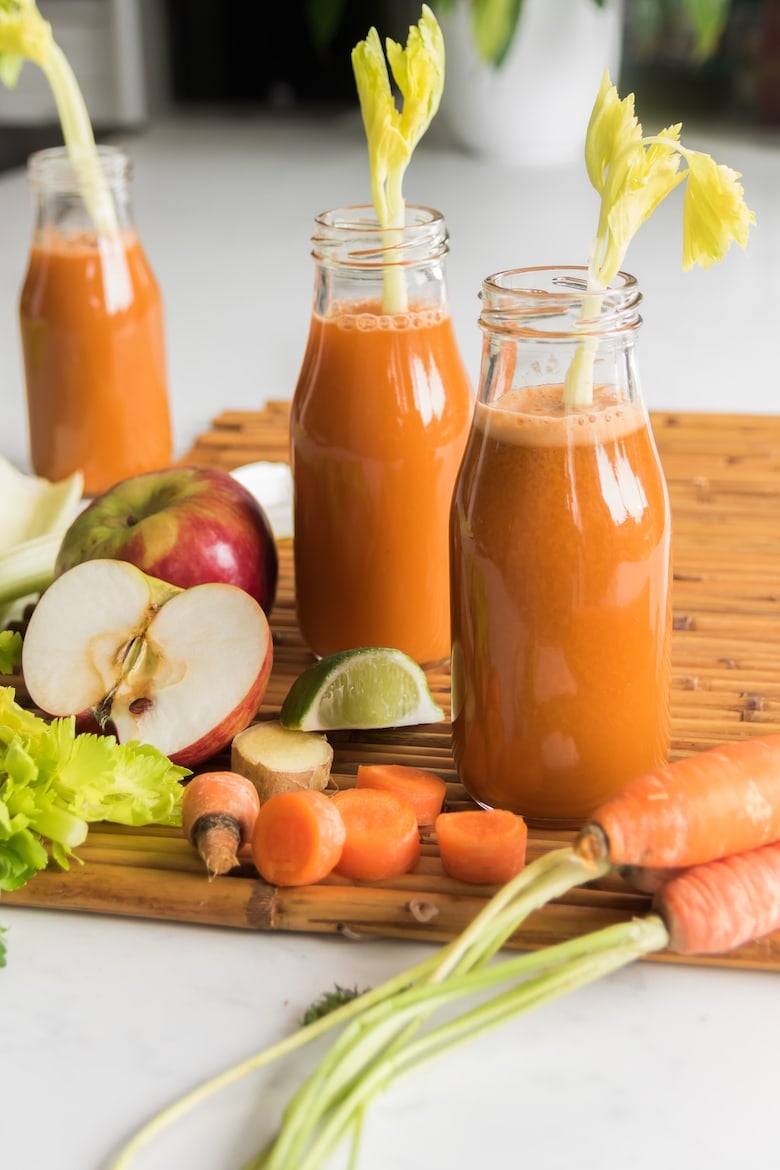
[328, 1002]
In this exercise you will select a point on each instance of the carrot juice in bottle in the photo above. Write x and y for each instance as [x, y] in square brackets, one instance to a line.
[92, 332]
[379, 421]
[561, 579]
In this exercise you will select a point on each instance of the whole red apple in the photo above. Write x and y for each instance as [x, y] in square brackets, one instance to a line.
[184, 525]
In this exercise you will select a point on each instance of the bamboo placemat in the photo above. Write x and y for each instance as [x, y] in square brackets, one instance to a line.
[724, 480]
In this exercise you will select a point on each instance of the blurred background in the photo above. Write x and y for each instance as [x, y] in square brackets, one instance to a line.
[136, 59]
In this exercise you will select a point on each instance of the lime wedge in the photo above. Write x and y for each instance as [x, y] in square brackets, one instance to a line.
[373, 686]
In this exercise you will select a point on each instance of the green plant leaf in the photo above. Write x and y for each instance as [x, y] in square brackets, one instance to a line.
[494, 23]
[10, 650]
[707, 20]
[323, 18]
[55, 782]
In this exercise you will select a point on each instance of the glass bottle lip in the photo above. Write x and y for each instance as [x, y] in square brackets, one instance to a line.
[352, 237]
[54, 169]
[554, 302]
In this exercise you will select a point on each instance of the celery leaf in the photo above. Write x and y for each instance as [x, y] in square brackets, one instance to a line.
[393, 134]
[10, 650]
[54, 782]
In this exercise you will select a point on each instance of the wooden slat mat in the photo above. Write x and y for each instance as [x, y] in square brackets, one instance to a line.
[724, 480]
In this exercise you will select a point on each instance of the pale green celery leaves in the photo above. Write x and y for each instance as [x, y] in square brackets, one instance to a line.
[24, 34]
[642, 180]
[392, 135]
[54, 782]
[386, 148]
[714, 211]
[10, 650]
[633, 174]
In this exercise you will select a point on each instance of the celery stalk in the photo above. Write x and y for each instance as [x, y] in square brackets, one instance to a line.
[392, 134]
[28, 568]
[633, 174]
[25, 35]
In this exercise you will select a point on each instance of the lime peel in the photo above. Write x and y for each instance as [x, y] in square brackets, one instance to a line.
[360, 689]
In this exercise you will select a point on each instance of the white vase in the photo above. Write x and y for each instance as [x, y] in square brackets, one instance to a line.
[534, 108]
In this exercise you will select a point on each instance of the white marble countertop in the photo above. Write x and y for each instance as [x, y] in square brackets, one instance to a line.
[105, 1020]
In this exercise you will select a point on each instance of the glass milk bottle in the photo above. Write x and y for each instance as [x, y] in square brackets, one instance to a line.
[379, 422]
[561, 579]
[92, 331]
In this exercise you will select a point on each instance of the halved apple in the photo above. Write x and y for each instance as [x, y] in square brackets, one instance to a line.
[182, 669]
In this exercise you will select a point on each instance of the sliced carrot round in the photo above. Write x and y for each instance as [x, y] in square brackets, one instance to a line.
[424, 791]
[483, 846]
[298, 838]
[382, 838]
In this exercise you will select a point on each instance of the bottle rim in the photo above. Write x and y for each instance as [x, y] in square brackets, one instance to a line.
[55, 167]
[554, 302]
[352, 237]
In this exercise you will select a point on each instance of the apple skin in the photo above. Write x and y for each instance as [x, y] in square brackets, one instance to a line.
[221, 736]
[184, 525]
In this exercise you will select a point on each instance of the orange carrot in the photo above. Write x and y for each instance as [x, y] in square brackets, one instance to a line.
[424, 791]
[218, 813]
[650, 880]
[722, 801]
[713, 908]
[485, 846]
[298, 837]
[382, 839]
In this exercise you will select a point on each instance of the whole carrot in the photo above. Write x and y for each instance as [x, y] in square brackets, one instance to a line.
[218, 813]
[711, 909]
[722, 801]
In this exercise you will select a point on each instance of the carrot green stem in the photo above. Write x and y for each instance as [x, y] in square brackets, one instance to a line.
[567, 966]
[435, 966]
[384, 1029]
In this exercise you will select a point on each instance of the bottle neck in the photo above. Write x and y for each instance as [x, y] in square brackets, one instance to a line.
[548, 337]
[61, 194]
[361, 266]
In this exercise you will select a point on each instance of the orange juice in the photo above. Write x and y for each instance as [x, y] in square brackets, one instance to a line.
[561, 604]
[95, 379]
[378, 428]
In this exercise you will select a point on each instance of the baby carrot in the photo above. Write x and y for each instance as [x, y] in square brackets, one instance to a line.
[218, 813]
[382, 839]
[722, 801]
[298, 837]
[485, 846]
[424, 791]
[711, 909]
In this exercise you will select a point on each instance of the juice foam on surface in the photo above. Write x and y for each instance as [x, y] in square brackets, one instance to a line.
[537, 416]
